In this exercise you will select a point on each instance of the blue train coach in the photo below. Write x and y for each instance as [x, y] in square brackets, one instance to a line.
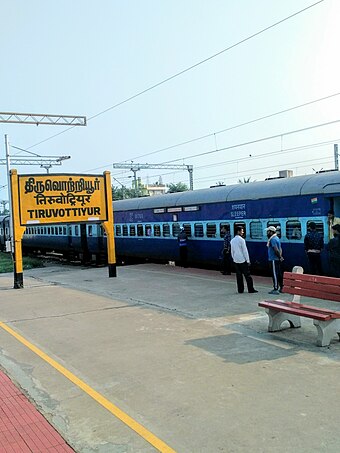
[147, 228]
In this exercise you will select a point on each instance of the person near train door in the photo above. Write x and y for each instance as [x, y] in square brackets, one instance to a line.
[334, 251]
[183, 247]
[240, 255]
[275, 259]
[226, 255]
[313, 246]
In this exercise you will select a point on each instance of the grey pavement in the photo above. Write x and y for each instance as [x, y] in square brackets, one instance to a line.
[176, 349]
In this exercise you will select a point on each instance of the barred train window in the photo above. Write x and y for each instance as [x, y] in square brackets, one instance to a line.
[118, 230]
[140, 231]
[132, 230]
[187, 229]
[319, 227]
[277, 225]
[226, 226]
[211, 230]
[293, 230]
[166, 230]
[64, 231]
[90, 230]
[125, 230]
[148, 230]
[198, 228]
[156, 230]
[175, 229]
[256, 230]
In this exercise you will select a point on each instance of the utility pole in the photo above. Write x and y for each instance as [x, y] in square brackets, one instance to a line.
[136, 167]
[31, 118]
[336, 157]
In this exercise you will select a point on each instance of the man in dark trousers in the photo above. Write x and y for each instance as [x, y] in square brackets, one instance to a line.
[313, 246]
[275, 259]
[334, 252]
[183, 247]
[226, 252]
[240, 255]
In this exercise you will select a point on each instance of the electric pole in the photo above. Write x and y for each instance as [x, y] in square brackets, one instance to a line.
[136, 167]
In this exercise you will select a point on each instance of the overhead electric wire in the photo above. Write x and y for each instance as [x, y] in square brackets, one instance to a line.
[252, 157]
[236, 126]
[253, 141]
[185, 70]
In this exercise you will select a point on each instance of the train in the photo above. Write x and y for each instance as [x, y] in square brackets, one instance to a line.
[146, 228]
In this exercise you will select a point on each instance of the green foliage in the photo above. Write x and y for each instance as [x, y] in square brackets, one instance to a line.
[245, 180]
[179, 187]
[6, 262]
[121, 193]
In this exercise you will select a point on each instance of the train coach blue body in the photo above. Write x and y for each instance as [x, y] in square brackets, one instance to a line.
[148, 227]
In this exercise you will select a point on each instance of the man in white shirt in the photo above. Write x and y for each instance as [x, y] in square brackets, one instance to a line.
[241, 260]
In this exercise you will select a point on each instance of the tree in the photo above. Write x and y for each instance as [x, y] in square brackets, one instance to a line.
[121, 193]
[245, 180]
[179, 187]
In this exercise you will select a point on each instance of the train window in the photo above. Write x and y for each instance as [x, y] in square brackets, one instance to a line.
[175, 229]
[166, 230]
[226, 226]
[132, 230]
[277, 225]
[140, 230]
[156, 230]
[198, 229]
[211, 230]
[187, 229]
[240, 224]
[56, 230]
[64, 231]
[319, 226]
[90, 230]
[293, 230]
[60, 230]
[148, 230]
[76, 230]
[70, 231]
[125, 230]
[256, 230]
[118, 230]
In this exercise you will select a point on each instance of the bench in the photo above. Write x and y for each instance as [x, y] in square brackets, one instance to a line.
[327, 322]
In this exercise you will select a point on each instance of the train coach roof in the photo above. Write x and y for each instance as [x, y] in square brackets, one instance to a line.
[320, 183]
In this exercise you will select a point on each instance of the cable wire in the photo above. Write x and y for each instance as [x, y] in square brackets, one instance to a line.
[185, 70]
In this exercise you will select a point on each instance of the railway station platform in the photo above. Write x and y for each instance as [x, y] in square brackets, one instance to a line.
[164, 359]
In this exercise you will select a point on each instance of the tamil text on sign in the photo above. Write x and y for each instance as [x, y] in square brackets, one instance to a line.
[62, 199]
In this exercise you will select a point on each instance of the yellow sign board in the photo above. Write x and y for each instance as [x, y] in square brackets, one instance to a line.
[61, 198]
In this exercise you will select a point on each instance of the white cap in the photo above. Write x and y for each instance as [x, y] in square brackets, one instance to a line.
[271, 228]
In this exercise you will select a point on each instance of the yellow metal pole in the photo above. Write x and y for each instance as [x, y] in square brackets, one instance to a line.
[18, 232]
[108, 226]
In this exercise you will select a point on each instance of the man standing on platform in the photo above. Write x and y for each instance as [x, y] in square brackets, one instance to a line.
[226, 255]
[240, 255]
[275, 260]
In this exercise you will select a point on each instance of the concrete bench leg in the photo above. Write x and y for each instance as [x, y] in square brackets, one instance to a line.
[276, 318]
[326, 331]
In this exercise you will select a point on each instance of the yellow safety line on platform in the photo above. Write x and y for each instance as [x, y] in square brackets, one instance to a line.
[130, 422]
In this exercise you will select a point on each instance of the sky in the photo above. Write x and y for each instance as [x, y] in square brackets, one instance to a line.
[87, 58]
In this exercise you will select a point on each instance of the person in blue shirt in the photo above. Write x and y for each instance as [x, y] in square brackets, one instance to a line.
[313, 246]
[183, 247]
[275, 260]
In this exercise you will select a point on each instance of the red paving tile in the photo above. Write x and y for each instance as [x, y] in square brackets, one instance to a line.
[22, 428]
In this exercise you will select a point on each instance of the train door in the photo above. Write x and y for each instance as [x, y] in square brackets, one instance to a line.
[85, 254]
[333, 215]
[240, 224]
